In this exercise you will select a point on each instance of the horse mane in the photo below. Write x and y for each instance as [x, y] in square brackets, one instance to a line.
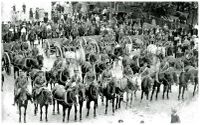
[45, 95]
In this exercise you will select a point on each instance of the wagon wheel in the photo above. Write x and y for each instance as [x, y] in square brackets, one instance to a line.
[47, 49]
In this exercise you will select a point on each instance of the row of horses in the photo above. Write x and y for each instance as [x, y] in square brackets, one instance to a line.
[111, 90]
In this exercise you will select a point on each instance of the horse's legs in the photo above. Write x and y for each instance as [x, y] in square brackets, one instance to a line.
[106, 108]
[195, 86]
[20, 113]
[147, 95]
[64, 113]
[117, 99]
[35, 111]
[113, 105]
[68, 113]
[54, 106]
[180, 86]
[46, 112]
[164, 90]
[120, 100]
[80, 110]
[158, 90]
[131, 102]
[168, 90]
[88, 108]
[75, 112]
[183, 92]
[102, 100]
[142, 93]
[127, 99]
[41, 112]
[95, 107]
[152, 93]
[25, 107]
[58, 110]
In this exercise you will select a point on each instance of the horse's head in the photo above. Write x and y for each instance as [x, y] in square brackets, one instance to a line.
[48, 96]
[93, 91]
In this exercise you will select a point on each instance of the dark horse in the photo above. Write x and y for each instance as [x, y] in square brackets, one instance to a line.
[43, 99]
[22, 101]
[26, 64]
[128, 85]
[146, 86]
[92, 95]
[192, 75]
[66, 98]
[165, 78]
[109, 92]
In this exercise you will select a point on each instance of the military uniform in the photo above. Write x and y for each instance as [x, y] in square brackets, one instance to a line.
[20, 83]
[57, 66]
[39, 84]
[106, 77]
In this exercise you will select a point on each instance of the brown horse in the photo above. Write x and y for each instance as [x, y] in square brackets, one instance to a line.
[43, 99]
[66, 98]
[108, 90]
[22, 101]
[185, 77]
[128, 85]
[146, 86]
[166, 78]
[92, 95]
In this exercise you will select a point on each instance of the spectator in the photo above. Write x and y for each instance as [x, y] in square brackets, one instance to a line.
[174, 116]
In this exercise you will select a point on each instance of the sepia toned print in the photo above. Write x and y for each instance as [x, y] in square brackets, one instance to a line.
[99, 62]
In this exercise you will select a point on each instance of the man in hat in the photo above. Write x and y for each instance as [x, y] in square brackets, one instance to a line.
[32, 36]
[39, 84]
[75, 84]
[57, 66]
[144, 71]
[20, 83]
[23, 33]
[106, 75]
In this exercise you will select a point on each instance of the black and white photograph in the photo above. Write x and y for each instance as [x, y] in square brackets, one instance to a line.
[99, 62]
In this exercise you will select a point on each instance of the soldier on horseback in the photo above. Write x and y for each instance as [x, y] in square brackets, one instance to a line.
[75, 84]
[39, 84]
[144, 70]
[106, 76]
[20, 83]
[57, 66]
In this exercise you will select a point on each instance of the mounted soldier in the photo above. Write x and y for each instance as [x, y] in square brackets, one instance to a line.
[20, 83]
[75, 84]
[39, 84]
[106, 76]
[57, 66]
